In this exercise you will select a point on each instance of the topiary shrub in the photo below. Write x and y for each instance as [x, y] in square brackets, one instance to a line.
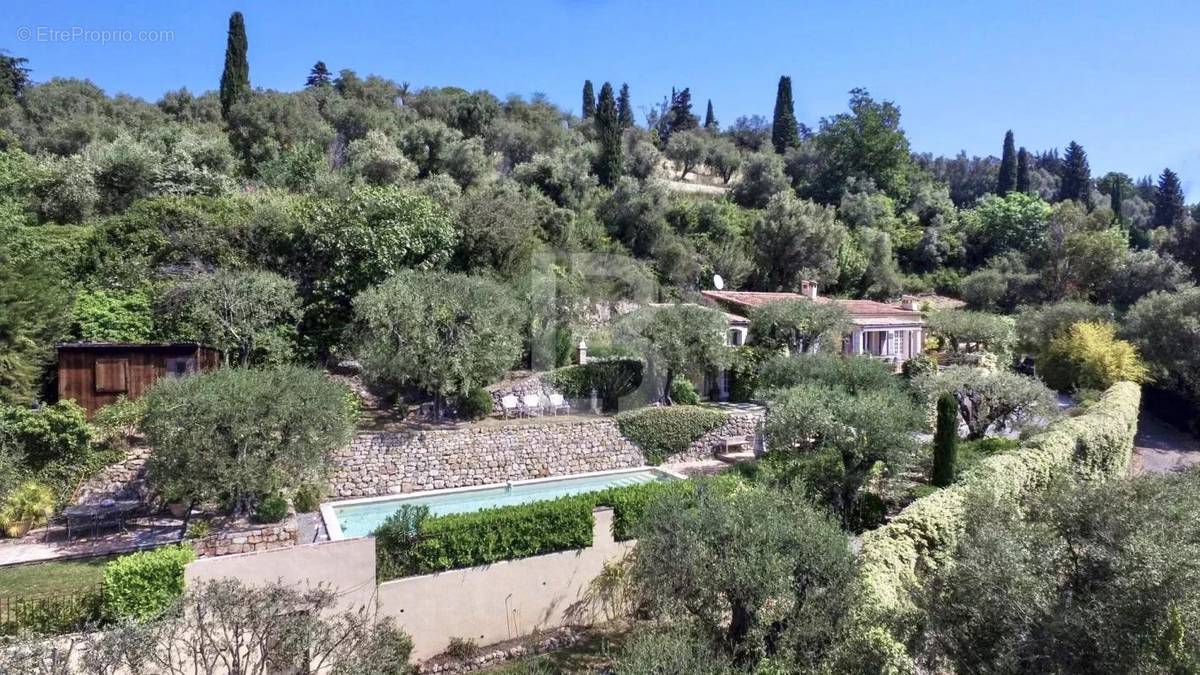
[945, 441]
[662, 432]
[683, 392]
[271, 509]
[476, 404]
[140, 586]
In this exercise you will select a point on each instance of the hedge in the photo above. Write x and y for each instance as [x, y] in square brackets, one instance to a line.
[1096, 445]
[141, 585]
[665, 431]
[611, 379]
[411, 542]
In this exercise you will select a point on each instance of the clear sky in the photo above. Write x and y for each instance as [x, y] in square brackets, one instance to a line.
[1120, 78]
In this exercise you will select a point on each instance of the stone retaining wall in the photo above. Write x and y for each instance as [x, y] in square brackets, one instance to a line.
[242, 536]
[124, 480]
[529, 385]
[738, 424]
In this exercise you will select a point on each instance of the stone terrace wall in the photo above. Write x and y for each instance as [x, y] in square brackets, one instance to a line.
[410, 461]
[124, 480]
[529, 385]
[739, 424]
[241, 536]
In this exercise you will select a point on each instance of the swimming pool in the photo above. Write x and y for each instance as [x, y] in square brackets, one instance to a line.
[360, 517]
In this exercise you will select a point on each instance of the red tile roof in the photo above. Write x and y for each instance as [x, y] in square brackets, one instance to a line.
[856, 308]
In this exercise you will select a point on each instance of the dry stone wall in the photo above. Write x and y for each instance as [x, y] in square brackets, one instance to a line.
[738, 424]
[241, 536]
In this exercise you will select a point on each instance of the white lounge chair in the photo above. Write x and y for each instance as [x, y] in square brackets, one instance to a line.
[510, 404]
[557, 402]
[531, 404]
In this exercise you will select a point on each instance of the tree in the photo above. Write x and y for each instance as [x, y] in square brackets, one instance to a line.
[796, 239]
[881, 280]
[112, 316]
[798, 326]
[237, 435]
[945, 441]
[248, 315]
[723, 157]
[992, 400]
[34, 304]
[710, 122]
[14, 76]
[589, 100]
[684, 339]
[318, 77]
[755, 573]
[762, 178]
[445, 334]
[624, 108]
[785, 131]
[1169, 210]
[1038, 326]
[609, 163]
[1015, 222]
[1165, 328]
[235, 79]
[1008, 166]
[1023, 185]
[688, 149]
[866, 143]
[1076, 176]
[972, 331]
[378, 161]
[1089, 356]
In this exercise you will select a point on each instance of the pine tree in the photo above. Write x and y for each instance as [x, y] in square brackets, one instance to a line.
[14, 76]
[1023, 171]
[235, 80]
[1008, 166]
[608, 132]
[589, 100]
[945, 441]
[1076, 176]
[319, 76]
[1168, 201]
[710, 122]
[624, 108]
[785, 133]
[681, 117]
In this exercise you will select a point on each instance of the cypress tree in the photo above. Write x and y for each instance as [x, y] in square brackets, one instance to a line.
[1076, 175]
[624, 108]
[1008, 166]
[1168, 200]
[608, 132]
[235, 79]
[710, 122]
[785, 132]
[318, 76]
[589, 100]
[945, 441]
[1023, 171]
[1116, 200]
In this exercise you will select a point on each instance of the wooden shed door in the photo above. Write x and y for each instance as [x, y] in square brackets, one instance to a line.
[111, 376]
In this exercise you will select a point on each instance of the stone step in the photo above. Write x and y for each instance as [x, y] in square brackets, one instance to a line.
[736, 457]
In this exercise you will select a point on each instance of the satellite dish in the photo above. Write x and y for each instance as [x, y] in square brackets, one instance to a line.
[718, 282]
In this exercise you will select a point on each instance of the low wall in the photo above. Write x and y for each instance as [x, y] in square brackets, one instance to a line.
[504, 600]
[738, 424]
[231, 537]
[534, 384]
[409, 461]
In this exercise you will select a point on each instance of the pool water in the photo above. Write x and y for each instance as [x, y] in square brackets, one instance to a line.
[359, 518]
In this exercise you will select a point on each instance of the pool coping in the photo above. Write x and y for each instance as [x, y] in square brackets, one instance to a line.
[333, 526]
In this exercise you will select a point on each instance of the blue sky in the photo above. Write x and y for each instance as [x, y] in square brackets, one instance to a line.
[1120, 78]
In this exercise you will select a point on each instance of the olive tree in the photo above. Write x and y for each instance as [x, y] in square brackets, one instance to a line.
[237, 434]
[239, 312]
[799, 326]
[1165, 328]
[444, 333]
[972, 331]
[796, 239]
[682, 339]
[992, 400]
[688, 149]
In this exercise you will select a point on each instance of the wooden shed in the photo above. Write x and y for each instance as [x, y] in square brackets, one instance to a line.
[94, 374]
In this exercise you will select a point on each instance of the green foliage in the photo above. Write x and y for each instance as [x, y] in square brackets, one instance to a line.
[664, 431]
[117, 421]
[683, 338]
[249, 315]
[1089, 356]
[688, 149]
[609, 162]
[1014, 222]
[28, 506]
[670, 651]
[992, 400]
[972, 331]
[54, 444]
[409, 543]
[683, 392]
[856, 374]
[308, 498]
[919, 366]
[762, 178]
[233, 435]
[1076, 183]
[462, 648]
[629, 503]
[53, 615]
[785, 131]
[235, 79]
[109, 316]
[945, 441]
[1165, 328]
[271, 509]
[140, 586]
[33, 305]
[865, 143]
[613, 379]
[744, 371]
[798, 325]
[1038, 326]
[476, 404]
[796, 239]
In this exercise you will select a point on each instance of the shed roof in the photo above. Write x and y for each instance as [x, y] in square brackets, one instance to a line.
[130, 346]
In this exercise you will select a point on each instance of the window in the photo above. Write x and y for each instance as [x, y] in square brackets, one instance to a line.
[735, 337]
[180, 365]
[110, 376]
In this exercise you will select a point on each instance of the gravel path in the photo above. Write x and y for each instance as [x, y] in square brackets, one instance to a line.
[1161, 448]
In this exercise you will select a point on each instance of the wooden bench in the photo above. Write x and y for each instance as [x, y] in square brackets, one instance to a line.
[730, 442]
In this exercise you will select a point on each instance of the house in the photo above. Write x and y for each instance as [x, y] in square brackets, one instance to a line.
[893, 333]
[94, 374]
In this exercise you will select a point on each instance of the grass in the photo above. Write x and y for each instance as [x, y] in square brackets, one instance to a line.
[63, 576]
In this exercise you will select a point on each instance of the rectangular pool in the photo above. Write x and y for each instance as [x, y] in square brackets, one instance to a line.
[360, 517]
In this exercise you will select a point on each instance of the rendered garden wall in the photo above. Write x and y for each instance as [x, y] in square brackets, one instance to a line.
[1094, 446]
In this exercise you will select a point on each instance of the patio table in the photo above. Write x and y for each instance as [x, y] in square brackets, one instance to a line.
[99, 514]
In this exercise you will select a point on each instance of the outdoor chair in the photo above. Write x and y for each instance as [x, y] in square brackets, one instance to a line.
[510, 404]
[531, 404]
[557, 402]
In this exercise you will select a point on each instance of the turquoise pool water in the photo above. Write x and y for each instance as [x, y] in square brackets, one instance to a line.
[360, 519]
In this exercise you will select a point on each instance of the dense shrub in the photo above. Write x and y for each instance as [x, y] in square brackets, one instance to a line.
[662, 432]
[271, 509]
[856, 374]
[611, 379]
[141, 585]
[683, 392]
[117, 421]
[629, 503]
[475, 404]
[55, 444]
[1089, 356]
[921, 364]
[307, 498]
[53, 615]
[743, 372]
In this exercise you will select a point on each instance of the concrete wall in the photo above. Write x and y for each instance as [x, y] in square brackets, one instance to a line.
[504, 600]
[347, 566]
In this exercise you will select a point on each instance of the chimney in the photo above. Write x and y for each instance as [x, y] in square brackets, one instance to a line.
[910, 302]
[808, 288]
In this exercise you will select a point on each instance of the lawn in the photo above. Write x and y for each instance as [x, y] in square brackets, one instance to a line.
[51, 577]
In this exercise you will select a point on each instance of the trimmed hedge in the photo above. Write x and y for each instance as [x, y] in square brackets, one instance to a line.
[629, 503]
[141, 585]
[662, 432]
[1096, 445]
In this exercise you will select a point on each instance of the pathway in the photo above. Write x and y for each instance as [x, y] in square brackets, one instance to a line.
[1162, 448]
